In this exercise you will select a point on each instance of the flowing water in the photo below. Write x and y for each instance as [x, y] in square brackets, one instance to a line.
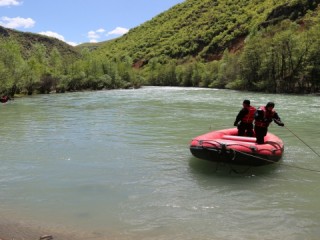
[116, 165]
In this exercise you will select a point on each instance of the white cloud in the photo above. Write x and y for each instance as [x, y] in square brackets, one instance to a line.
[9, 3]
[93, 35]
[53, 34]
[118, 31]
[58, 36]
[101, 30]
[73, 43]
[17, 22]
[97, 34]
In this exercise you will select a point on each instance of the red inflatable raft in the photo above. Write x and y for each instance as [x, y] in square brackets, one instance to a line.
[225, 146]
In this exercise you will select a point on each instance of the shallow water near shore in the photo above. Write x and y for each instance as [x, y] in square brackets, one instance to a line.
[116, 165]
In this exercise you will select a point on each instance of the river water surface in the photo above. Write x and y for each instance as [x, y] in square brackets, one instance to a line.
[116, 165]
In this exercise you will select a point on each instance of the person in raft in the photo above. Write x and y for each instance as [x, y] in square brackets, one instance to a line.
[263, 117]
[244, 119]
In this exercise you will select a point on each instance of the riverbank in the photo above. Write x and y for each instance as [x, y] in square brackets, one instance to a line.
[10, 230]
[13, 230]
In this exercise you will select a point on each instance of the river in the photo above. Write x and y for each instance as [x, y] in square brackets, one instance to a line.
[116, 165]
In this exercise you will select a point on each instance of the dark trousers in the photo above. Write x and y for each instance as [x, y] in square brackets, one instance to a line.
[261, 132]
[245, 129]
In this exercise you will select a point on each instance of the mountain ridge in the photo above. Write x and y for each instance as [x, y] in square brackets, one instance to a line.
[27, 39]
[188, 29]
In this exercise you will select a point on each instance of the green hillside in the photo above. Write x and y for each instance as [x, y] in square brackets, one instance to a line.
[253, 45]
[32, 62]
[27, 40]
[203, 28]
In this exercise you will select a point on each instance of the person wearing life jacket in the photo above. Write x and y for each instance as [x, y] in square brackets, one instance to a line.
[4, 99]
[244, 119]
[263, 117]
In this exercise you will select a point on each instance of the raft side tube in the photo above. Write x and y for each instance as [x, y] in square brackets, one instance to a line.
[239, 138]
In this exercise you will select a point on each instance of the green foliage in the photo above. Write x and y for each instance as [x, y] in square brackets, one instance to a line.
[252, 41]
[46, 71]
[282, 59]
[11, 67]
[197, 28]
[270, 46]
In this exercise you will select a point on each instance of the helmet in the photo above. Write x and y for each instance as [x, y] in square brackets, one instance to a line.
[247, 102]
[270, 104]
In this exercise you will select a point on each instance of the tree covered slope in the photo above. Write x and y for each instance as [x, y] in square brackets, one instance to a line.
[26, 40]
[203, 29]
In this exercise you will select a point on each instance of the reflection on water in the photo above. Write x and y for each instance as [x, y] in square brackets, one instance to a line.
[116, 164]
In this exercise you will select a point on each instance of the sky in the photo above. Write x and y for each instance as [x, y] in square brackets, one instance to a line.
[80, 21]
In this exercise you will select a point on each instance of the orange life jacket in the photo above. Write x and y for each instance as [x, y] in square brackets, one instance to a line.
[250, 116]
[267, 119]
